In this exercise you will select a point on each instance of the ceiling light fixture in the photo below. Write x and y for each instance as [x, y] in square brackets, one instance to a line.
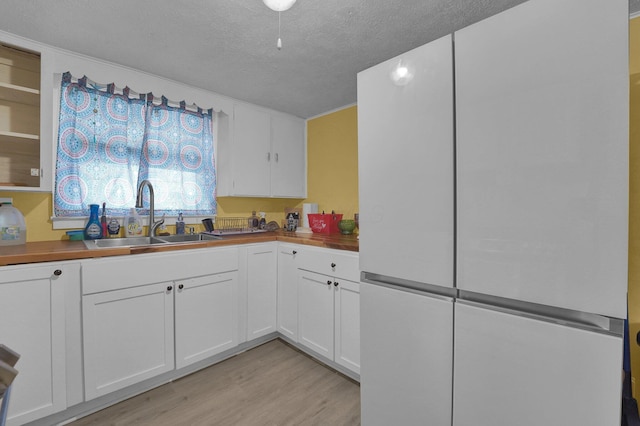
[279, 6]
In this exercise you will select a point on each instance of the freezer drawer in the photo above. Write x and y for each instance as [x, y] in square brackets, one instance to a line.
[406, 357]
[517, 370]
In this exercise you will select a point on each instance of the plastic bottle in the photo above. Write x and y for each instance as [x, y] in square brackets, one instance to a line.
[263, 220]
[13, 229]
[180, 224]
[114, 228]
[103, 221]
[254, 220]
[133, 226]
[93, 230]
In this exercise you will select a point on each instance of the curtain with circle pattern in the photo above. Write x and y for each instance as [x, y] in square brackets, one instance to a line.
[109, 142]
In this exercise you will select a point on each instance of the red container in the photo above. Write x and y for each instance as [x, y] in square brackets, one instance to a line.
[324, 223]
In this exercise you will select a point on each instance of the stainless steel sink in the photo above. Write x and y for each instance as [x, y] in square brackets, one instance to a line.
[146, 241]
[186, 238]
[120, 242]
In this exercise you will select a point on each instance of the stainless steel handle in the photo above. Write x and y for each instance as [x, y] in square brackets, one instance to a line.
[181, 286]
[169, 288]
[57, 272]
[276, 157]
[268, 156]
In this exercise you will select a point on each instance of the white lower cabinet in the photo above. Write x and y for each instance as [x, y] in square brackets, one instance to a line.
[262, 286]
[206, 316]
[288, 255]
[315, 312]
[347, 325]
[133, 306]
[329, 306]
[32, 323]
[128, 337]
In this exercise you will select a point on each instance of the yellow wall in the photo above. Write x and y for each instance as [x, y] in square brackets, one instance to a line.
[332, 177]
[634, 197]
[332, 150]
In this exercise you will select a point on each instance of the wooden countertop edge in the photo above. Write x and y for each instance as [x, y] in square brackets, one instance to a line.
[50, 251]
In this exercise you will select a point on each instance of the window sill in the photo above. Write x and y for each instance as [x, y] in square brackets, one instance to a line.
[81, 222]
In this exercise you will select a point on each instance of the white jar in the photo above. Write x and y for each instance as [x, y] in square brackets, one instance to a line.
[13, 229]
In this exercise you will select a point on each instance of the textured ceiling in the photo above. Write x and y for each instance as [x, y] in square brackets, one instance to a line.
[229, 46]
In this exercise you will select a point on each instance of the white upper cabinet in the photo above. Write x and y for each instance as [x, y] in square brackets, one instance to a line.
[264, 155]
[25, 140]
[405, 154]
[542, 154]
[288, 159]
[251, 152]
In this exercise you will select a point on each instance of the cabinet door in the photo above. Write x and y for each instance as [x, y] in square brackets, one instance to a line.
[315, 312]
[32, 322]
[206, 316]
[407, 351]
[288, 291]
[542, 147]
[288, 162]
[405, 158]
[513, 369]
[128, 337]
[251, 152]
[262, 278]
[20, 119]
[347, 324]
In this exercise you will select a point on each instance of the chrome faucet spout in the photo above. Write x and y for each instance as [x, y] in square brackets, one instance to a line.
[153, 225]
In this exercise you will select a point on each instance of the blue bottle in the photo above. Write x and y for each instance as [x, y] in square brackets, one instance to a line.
[93, 230]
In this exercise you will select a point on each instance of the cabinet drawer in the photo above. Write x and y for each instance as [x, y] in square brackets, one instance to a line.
[334, 263]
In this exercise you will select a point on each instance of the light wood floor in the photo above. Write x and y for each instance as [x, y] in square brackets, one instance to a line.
[273, 384]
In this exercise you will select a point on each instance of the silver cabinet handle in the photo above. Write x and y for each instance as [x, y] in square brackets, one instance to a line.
[268, 156]
[276, 157]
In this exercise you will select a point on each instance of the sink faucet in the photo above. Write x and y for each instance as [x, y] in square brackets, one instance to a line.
[152, 224]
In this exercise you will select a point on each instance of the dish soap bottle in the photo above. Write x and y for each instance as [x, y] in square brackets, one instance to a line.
[263, 220]
[180, 224]
[133, 226]
[114, 228]
[254, 220]
[93, 230]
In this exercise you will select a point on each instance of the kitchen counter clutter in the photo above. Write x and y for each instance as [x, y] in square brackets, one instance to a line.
[49, 251]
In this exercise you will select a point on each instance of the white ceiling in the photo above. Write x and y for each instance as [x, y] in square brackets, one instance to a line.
[229, 46]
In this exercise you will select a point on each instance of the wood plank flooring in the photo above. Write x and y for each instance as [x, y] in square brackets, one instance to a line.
[273, 384]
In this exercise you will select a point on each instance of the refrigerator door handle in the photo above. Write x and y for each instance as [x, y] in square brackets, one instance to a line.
[436, 291]
[567, 317]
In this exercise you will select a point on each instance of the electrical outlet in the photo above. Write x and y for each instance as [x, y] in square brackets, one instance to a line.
[35, 172]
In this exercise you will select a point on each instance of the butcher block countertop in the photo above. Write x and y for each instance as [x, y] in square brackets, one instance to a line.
[49, 251]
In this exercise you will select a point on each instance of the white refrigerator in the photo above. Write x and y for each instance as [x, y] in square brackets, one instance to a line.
[493, 214]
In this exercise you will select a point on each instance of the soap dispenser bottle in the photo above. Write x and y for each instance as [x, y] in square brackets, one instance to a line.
[93, 230]
[180, 225]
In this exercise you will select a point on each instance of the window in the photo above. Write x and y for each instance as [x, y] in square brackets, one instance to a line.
[109, 142]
